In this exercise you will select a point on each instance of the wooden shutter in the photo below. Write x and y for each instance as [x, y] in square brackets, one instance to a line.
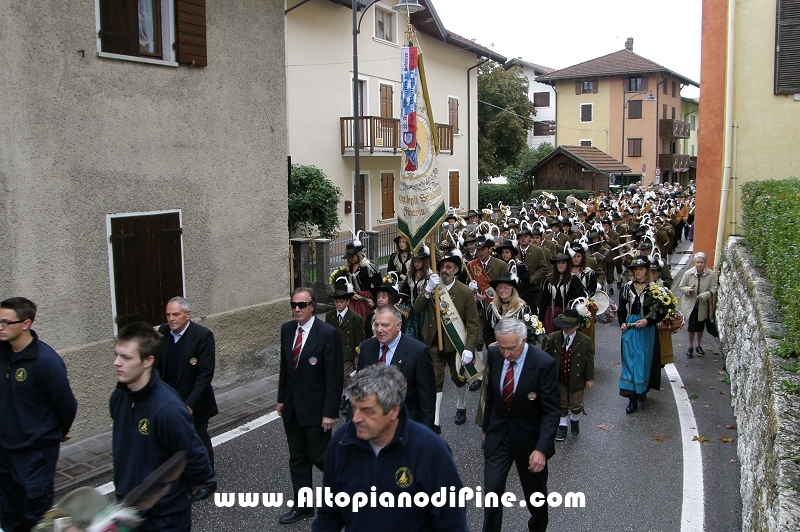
[787, 48]
[452, 111]
[387, 96]
[595, 86]
[148, 266]
[586, 112]
[454, 190]
[541, 99]
[119, 26]
[644, 83]
[578, 87]
[190, 17]
[387, 196]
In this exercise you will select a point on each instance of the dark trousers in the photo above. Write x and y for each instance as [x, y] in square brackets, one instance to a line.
[495, 474]
[201, 427]
[26, 486]
[307, 447]
[174, 522]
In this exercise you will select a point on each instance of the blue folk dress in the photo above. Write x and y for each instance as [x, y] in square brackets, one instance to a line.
[637, 344]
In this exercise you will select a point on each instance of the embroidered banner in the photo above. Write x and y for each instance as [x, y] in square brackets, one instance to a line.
[420, 200]
[482, 278]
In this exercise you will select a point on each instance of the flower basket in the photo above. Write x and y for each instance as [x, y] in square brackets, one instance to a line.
[672, 325]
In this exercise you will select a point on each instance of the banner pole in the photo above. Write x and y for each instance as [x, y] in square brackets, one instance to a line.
[436, 293]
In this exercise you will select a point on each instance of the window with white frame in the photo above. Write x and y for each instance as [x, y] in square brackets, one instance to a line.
[586, 112]
[587, 143]
[384, 24]
[152, 30]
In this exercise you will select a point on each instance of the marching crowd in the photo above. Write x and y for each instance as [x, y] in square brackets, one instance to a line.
[506, 305]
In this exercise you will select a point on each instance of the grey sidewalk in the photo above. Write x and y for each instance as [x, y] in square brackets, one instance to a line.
[84, 461]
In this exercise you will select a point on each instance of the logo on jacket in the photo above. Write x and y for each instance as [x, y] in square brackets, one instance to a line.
[144, 426]
[531, 396]
[21, 374]
[403, 477]
[193, 361]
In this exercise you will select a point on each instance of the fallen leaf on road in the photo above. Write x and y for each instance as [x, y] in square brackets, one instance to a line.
[731, 426]
[658, 438]
[732, 461]
[711, 388]
[721, 392]
[698, 380]
[720, 372]
[715, 360]
[701, 439]
[725, 439]
[604, 426]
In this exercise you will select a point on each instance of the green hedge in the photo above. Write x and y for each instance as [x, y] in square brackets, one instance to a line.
[771, 216]
[495, 194]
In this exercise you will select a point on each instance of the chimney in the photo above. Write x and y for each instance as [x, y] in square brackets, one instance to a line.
[629, 44]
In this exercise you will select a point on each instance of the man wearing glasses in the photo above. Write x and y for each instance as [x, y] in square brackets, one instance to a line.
[37, 408]
[309, 392]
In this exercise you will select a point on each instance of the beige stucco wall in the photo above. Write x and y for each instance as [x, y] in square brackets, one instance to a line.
[84, 137]
[766, 124]
[569, 128]
[319, 70]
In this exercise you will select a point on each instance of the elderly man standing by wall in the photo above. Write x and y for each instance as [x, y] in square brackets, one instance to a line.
[187, 361]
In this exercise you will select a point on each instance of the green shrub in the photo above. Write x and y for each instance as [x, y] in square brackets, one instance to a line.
[495, 194]
[771, 216]
[313, 202]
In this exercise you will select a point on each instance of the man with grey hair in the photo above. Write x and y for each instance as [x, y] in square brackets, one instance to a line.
[382, 448]
[520, 420]
[186, 362]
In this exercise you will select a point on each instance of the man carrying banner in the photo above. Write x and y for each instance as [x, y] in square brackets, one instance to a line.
[459, 330]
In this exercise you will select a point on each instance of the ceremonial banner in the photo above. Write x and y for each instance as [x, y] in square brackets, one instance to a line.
[420, 200]
[454, 328]
[482, 278]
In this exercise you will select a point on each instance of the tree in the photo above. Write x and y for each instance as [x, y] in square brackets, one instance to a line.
[313, 201]
[505, 114]
[522, 185]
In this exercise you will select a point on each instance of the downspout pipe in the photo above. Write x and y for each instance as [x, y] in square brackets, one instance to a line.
[469, 135]
[728, 136]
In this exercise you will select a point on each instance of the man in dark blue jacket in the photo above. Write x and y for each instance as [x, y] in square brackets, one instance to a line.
[151, 423]
[403, 460]
[37, 409]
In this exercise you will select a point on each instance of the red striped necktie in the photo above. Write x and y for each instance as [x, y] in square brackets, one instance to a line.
[508, 386]
[298, 346]
[384, 352]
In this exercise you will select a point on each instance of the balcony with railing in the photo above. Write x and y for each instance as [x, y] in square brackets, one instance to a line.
[675, 129]
[676, 162]
[382, 135]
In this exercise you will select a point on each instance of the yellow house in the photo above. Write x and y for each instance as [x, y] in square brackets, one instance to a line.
[750, 66]
[319, 73]
[690, 113]
[628, 107]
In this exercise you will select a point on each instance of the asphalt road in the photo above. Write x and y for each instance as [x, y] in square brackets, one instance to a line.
[629, 467]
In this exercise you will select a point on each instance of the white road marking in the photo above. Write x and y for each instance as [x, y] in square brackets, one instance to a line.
[693, 508]
[216, 441]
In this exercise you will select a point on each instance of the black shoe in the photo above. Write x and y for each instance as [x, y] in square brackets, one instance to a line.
[561, 435]
[437, 429]
[690, 353]
[461, 416]
[575, 428]
[475, 386]
[611, 290]
[700, 350]
[294, 516]
[631, 407]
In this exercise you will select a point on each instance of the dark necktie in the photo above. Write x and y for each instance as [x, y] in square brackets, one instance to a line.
[341, 319]
[298, 346]
[384, 351]
[508, 386]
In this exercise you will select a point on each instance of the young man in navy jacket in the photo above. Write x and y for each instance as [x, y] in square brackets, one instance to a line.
[151, 423]
[37, 409]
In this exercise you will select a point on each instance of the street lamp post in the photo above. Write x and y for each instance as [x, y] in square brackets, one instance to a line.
[409, 6]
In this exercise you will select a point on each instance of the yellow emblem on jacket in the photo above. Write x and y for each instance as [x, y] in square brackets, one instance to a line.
[403, 477]
[193, 361]
[21, 374]
[144, 426]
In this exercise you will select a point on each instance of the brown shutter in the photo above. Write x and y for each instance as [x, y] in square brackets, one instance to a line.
[454, 190]
[190, 16]
[148, 266]
[119, 26]
[644, 83]
[452, 109]
[387, 95]
[387, 196]
[595, 86]
[787, 49]
[577, 87]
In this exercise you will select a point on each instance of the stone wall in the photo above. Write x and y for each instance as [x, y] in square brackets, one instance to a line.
[768, 419]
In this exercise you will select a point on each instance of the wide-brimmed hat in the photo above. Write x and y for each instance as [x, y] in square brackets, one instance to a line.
[640, 261]
[397, 239]
[568, 319]
[485, 242]
[351, 250]
[389, 288]
[454, 257]
[342, 290]
[505, 278]
[472, 212]
[559, 257]
[507, 244]
[423, 253]
[656, 265]
[645, 244]
[470, 237]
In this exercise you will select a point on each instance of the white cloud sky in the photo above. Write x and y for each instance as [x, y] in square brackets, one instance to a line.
[560, 33]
